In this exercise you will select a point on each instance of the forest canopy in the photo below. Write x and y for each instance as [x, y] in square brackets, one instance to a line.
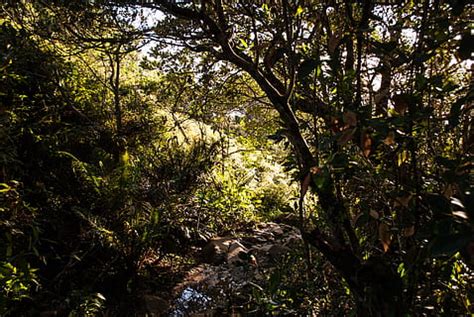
[134, 134]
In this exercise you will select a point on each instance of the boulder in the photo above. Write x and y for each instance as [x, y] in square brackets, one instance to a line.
[215, 251]
[237, 253]
[154, 306]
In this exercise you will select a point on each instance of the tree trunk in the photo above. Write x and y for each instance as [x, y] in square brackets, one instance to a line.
[378, 290]
[116, 87]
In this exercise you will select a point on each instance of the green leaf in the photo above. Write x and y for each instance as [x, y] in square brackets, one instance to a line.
[4, 188]
[274, 282]
[318, 71]
[340, 160]
[307, 67]
[401, 270]
[421, 81]
[299, 11]
[322, 178]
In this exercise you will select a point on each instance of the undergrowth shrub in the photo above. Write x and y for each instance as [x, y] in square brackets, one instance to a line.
[245, 187]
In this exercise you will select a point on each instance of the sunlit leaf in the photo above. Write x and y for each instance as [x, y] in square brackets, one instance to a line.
[4, 188]
[402, 157]
[299, 11]
[461, 214]
[243, 42]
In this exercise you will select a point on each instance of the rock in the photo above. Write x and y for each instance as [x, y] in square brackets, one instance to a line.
[237, 253]
[276, 252]
[154, 306]
[249, 241]
[262, 233]
[215, 251]
[233, 265]
[270, 252]
[274, 228]
[292, 239]
[262, 250]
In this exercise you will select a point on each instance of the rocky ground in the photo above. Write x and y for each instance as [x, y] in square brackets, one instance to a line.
[228, 272]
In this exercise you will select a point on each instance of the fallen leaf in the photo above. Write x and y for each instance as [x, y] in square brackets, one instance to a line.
[448, 191]
[334, 41]
[408, 232]
[400, 103]
[390, 139]
[374, 214]
[366, 144]
[385, 236]
[253, 260]
[335, 125]
[403, 200]
[314, 170]
[305, 184]
[346, 136]
[350, 118]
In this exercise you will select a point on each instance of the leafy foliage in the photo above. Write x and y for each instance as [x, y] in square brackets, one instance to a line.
[108, 168]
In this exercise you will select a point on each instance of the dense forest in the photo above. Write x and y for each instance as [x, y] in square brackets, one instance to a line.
[244, 158]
